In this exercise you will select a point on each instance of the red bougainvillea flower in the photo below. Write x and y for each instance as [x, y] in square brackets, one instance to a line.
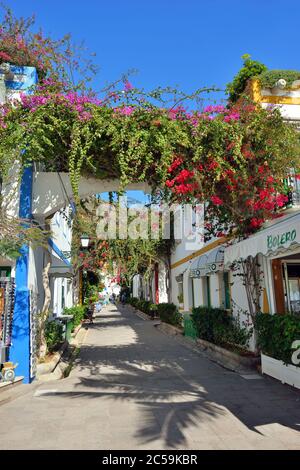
[176, 163]
[281, 200]
[184, 175]
[213, 165]
[216, 200]
[256, 223]
[170, 183]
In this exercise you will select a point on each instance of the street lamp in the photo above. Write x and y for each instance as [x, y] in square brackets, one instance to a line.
[85, 241]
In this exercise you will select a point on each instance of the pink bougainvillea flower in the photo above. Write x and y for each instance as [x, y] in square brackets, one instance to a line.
[128, 86]
[124, 110]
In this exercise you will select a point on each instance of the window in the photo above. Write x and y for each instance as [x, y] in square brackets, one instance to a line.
[5, 271]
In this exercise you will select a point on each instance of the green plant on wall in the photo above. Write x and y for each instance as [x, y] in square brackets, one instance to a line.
[251, 68]
[269, 78]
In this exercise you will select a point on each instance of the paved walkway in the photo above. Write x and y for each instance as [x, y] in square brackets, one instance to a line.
[135, 388]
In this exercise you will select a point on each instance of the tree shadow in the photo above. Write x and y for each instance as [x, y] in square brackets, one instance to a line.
[175, 388]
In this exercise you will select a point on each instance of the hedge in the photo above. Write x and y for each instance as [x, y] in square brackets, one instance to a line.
[53, 334]
[78, 312]
[218, 326]
[169, 314]
[276, 334]
[166, 312]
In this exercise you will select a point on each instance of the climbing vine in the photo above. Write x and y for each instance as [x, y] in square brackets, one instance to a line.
[232, 158]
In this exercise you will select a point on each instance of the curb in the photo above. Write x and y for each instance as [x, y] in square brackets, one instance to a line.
[57, 367]
[170, 330]
[210, 351]
[47, 367]
[139, 313]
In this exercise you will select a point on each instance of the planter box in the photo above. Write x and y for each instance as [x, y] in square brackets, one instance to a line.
[286, 373]
[226, 358]
[169, 329]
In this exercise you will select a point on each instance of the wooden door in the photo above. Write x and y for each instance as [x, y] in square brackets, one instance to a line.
[278, 286]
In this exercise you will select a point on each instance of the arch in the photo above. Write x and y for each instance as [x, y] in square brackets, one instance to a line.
[51, 191]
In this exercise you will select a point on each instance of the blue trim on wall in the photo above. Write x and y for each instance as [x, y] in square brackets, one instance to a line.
[58, 252]
[20, 349]
[31, 78]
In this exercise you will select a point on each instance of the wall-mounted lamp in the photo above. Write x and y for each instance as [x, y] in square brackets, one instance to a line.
[85, 241]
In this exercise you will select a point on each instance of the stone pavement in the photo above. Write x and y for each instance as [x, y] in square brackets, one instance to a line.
[135, 388]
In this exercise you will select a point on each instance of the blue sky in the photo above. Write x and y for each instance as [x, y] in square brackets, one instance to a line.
[186, 42]
[189, 43]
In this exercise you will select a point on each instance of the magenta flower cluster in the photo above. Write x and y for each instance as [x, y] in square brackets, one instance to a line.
[71, 100]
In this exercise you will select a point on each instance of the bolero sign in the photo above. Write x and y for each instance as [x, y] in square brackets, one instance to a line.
[280, 237]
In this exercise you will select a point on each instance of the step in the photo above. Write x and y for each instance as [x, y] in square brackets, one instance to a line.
[10, 390]
[8, 385]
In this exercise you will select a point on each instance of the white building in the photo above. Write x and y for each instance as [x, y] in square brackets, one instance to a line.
[204, 277]
[27, 270]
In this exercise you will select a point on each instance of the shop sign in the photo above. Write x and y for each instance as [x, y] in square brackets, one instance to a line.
[281, 239]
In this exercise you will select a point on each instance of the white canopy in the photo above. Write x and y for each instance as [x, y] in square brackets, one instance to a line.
[282, 237]
[59, 268]
[209, 263]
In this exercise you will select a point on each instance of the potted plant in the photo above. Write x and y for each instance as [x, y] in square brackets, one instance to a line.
[279, 342]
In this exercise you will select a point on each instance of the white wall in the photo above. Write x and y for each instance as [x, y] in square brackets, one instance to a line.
[162, 287]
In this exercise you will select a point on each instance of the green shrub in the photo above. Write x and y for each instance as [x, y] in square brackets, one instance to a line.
[169, 314]
[269, 78]
[141, 304]
[251, 68]
[220, 327]
[145, 306]
[78, 312]
[53, 334]
[276, 333]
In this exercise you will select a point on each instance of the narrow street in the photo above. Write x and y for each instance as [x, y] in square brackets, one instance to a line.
[135, 388]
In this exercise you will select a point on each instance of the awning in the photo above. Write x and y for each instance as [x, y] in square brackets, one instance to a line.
[210, 263]
[59, 268]
[281, 237]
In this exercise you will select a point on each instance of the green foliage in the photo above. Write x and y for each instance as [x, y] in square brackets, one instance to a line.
[169, 314]
[166, 312]
[269, 78]
[144, 306]
[78, 313]
[251, 68]
[276, 334]
[10, 248]
[53, 334]
[219, 327]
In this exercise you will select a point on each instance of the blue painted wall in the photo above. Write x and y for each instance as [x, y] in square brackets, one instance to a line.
[20, 349]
